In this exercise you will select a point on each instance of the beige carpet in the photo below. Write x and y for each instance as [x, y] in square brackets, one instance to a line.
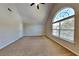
[35, 46]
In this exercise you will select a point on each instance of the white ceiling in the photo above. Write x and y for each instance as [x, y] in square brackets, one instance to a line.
[31, 15]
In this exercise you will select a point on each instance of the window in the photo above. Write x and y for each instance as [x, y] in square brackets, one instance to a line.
[63, 24]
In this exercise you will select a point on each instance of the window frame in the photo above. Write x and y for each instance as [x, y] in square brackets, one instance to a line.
[63, 19]
[59, 21]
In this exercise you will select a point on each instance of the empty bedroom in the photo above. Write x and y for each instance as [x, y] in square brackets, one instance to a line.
[39, 29]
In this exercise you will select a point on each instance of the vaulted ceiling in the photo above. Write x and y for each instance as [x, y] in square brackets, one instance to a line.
[31, 15]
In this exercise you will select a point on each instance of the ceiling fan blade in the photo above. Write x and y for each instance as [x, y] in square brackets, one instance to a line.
[38, 6]
[32, 4]
[42, 3]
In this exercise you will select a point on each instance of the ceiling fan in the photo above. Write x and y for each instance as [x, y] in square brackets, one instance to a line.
[37, 4]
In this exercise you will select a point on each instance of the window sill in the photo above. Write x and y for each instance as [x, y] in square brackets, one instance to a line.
[69, 41]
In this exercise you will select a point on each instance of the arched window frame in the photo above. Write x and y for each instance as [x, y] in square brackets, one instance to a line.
[59, 23]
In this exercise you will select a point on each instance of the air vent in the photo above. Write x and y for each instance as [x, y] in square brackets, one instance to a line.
[9, 10]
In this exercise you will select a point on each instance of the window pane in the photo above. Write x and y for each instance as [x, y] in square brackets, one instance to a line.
[64, 13]
[67, 35]
[68, 24]
[55, 26]
[55, 33]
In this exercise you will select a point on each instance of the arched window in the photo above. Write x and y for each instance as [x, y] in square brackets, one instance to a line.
[63, 24]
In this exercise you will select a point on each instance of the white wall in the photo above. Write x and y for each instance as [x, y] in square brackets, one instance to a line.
[33, 19]
[10, 25]
[33, 29]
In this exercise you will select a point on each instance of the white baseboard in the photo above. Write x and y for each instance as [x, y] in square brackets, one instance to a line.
[34, 35]
[10, 42]
[3, 46]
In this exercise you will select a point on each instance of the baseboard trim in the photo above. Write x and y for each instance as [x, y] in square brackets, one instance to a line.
[62, 46]
[34, 36]
[11, 42]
